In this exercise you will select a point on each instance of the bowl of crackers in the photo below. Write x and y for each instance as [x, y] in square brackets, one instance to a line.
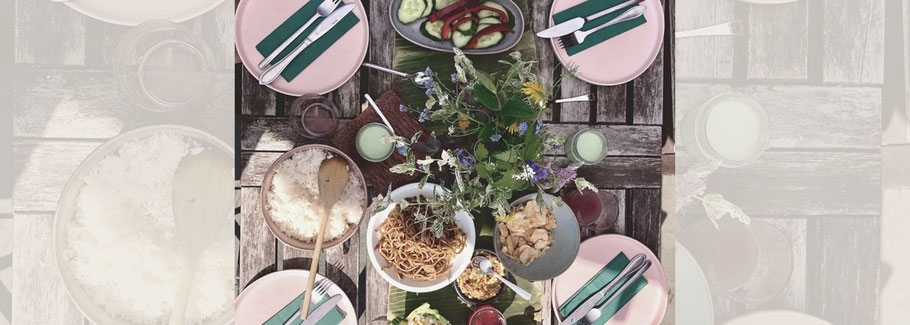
[539, 238]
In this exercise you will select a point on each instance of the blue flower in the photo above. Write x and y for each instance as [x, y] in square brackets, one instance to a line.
[430, 91]
[401, 107]
[464, 157]
[522, 128]
[495, 137]
[539, 171]
[454, 79]
[539, 124]
[427, 71]
[424, 115]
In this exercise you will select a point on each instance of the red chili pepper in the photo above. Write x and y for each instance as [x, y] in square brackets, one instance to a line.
[447, 25]
[486, 31]
[452, 8]
[464, 20]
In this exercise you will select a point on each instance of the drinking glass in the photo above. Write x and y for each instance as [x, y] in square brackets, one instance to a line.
[313, 116]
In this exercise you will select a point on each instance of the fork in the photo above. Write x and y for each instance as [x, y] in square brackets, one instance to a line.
[319, 290]
[578, 37]
[324, 9]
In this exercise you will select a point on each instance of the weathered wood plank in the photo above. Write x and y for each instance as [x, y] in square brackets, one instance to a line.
[843, 275]
[704, 57]
[644, 221]
[382, 44]
[800, 116]
[292, 258]
[778, 37]
[574, 111]
[272, 133]
[546, 58]
[216, 27]
[43, 168]
[611, 104]
[343, 265]
[38, 291]
[854, 43]
[256, 99]
[621, 172]
[648, 96]
[622, 140]
[48, 33]
[257, 244]
[347, 98]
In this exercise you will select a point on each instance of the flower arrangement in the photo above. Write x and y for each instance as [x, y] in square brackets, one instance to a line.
[495, 144]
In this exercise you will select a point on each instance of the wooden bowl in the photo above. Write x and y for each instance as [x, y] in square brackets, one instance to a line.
[267, 187]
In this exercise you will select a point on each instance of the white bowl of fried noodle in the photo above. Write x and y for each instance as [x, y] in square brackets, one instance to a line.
[114, 233]
[418, 258]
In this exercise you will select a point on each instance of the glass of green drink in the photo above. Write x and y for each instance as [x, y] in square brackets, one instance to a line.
[587, 146]
[370, 145]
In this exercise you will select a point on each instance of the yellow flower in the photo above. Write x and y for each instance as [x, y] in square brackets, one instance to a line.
[502, 218]
[513, 129]
[463, 122]
[534, 91]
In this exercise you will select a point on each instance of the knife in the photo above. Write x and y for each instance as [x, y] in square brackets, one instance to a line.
[320, 312]
[271, 73]
[569, 26]
[589, 304]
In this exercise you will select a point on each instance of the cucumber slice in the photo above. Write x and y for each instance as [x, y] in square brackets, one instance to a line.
[411, 10]
[432, 30]
[443, 3]
[489, 20]
[489, 40]
[466, 27]
[429, 9]
[487, 13]
[461, 39]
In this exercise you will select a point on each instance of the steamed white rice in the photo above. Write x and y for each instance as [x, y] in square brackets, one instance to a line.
[294, 203]
[120, 244]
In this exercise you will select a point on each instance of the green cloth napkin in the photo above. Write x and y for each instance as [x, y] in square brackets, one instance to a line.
[334, 317]
[600, 280]
[590, 7]
[288, 27]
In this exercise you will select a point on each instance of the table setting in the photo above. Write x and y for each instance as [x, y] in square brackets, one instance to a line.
[452, 180]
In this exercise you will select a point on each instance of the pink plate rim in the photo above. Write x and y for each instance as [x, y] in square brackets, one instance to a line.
[564, 59]
[655, 273]
[250, 58]
[345, 304]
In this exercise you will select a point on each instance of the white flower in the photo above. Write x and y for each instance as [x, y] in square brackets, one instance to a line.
[446, 159]
[716, 207]
[426, 162]
[526, 174]
[388, 139]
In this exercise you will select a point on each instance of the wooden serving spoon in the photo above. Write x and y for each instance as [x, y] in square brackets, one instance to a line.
[333, 176]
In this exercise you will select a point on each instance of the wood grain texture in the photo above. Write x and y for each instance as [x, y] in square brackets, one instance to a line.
[611, 104]
[622, 140]
[621, 172]
[273, 133]
[575, 111]
[546, 57]
[854, 41]
[778, 37]
[43, 168]
[39, 294]
[645, 218]
[257, 244]
[48, 33]
[256, 99]
[708, 57]
[800, 116]
[648, 99]
[216, 27]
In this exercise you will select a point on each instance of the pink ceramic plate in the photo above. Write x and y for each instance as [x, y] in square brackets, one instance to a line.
[621, 58]
[257, 18]
[265, 297]
[647, 307]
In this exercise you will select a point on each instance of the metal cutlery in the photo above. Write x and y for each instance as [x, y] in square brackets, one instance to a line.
[319, 290]
[484, 266]
[578, 37]
[575, 24]
[379, 112]
[323, 309]
[419, 79]
[582, 98]
[636, 263]
[730, 28]
[325, 8]
[595, 313]
[272, 72]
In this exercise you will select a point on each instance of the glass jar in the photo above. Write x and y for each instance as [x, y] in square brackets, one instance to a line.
[486, 315]
[587, 146]
[732, 129]
[313, 116]
[370, 145]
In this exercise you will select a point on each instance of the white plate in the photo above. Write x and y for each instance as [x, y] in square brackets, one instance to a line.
[693, 296]
[135, 12]
[459, 263]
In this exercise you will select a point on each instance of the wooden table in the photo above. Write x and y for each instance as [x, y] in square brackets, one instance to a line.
[630, 115]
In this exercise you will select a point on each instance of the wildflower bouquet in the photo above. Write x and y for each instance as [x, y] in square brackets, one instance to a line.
[495, 142]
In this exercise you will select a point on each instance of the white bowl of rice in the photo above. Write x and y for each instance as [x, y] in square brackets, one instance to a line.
[290, 198]
[114, 233]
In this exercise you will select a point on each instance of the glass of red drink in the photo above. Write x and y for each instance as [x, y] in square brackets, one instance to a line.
[486, 315]
[597, 211]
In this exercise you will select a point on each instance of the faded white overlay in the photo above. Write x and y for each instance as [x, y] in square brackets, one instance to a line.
[121, 132]
[791, 176]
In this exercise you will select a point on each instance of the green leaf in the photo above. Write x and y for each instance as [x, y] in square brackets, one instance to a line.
[481, 152]
[486, 80]
[485, 133]
[486, 97]
[506, 156]
[484, 170]
[517, 108]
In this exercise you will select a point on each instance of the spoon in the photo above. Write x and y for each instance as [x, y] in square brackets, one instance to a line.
[333, 176]
[484, 266]
[419, 79]
[595, 313]
[203, 198]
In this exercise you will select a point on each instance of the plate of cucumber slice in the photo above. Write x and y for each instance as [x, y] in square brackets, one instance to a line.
[474, 26]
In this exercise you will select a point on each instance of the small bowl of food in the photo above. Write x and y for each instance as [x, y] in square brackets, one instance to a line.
[537, 242]
[408, 255]
[290, 204]
[481, 289]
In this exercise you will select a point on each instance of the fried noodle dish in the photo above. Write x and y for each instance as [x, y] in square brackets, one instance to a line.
[412, 249]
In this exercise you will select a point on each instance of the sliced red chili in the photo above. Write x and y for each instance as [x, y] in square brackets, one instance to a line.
[464, 20]
[447, 24]
[486, 31]
[442, 13]
[502, 16]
